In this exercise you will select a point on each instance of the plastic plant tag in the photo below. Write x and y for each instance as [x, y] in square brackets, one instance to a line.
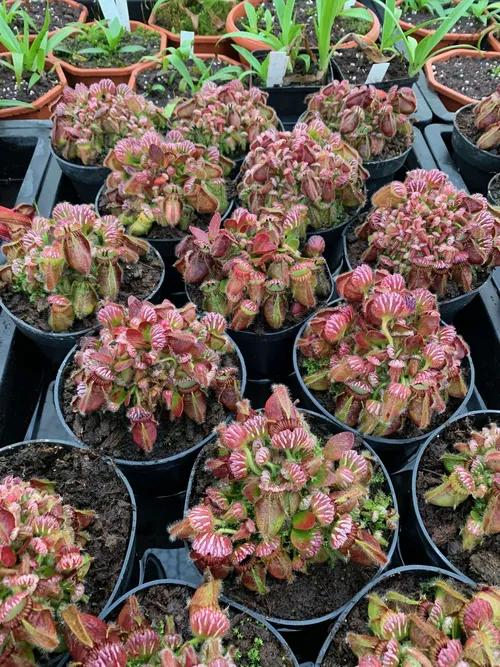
[278, 63]
[109, 9]
[377, 72]
[349, 3]
[187, 37]
[123, 15]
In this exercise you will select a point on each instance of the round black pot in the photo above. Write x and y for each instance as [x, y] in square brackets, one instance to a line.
[432, 553]
[124, 579]
[394, 452]
[87, 181]
[381, 171]
[309, 626]
[476, 165]
[171, 472]
[55, 346]
[268, 356]
[418, 571]
[110, 611]
[173, 284]
[490, 196]
[447, 309]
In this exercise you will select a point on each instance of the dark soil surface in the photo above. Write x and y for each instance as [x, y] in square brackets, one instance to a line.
[355, 66]
[138, 280]
[465, 120]
[171, 15]
[163, 87]
[159, 601]
[323, 590]
[409, 430]
[109, 432]
[444, 524]
[470, 76]
[10, 91]
[60, 15]
[149, 40]
[467, 25]
[356, 247]
[305, 12]
[494, 191]
[301, 76]
[394, 147]
[86, 482]
[339, 654]
[260, 326]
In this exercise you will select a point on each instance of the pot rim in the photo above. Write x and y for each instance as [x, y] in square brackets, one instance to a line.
[375, 439]
[390, 552]
[129, 464]
[466, 37]
[396, 571]
[467, 141]
[414, 499]
[74, 164]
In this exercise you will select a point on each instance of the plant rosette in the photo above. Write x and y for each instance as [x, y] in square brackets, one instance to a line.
[38, 108]
[79, 548]
[300, 565]
[454, 99]
[476, 134]
[411, 596]
[82, 69]
[182, 625]
[455, 495]
[356, 366]
[454, 269]
[237, 14]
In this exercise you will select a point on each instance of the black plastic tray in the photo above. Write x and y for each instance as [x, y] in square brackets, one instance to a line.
[439, 111]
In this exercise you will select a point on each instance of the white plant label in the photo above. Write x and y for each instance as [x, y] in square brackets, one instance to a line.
[122, 11]
[109, 9]
[278, 63]
[187, 36]
[377, 72]
[349, 3]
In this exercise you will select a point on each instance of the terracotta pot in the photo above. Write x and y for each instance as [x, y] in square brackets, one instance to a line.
[238, 12]
[42, 105]
[493, 41]
[116, 74]
[202, 43]
[150, 65]
[452, 99]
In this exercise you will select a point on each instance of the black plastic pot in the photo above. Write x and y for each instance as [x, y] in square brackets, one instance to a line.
[111, 611]
[418, 571]
[171, 472]
[394, 452]
[291, 625]
[55, 346]
[289, 101]
[447, 309]
[87, 181]
[434, 556]
[124, 579]
[476, 165]
[333, 241]
[493, 182]
[381, 171]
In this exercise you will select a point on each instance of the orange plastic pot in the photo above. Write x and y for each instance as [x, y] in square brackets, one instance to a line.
[448, 39]
[151, 65]
[493, 41]
[202, 43]
[41, 110]
[238, 13]
[452, 99]
[118, 75]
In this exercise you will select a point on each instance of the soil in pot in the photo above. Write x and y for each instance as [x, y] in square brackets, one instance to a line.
[163, 87]
[61, 14]
[316, 594]
[407, 584]
[494, 191]
[465, 121]
[86, 482]
[409, 430]
[10, 91]
[467, 25]
[256, 644]
[108, 433]
[443, 524]
[305, 11]
[356, 247]
[149, 40]
[355, 65]
[472, 77]
[173, 17]
[140, 280]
